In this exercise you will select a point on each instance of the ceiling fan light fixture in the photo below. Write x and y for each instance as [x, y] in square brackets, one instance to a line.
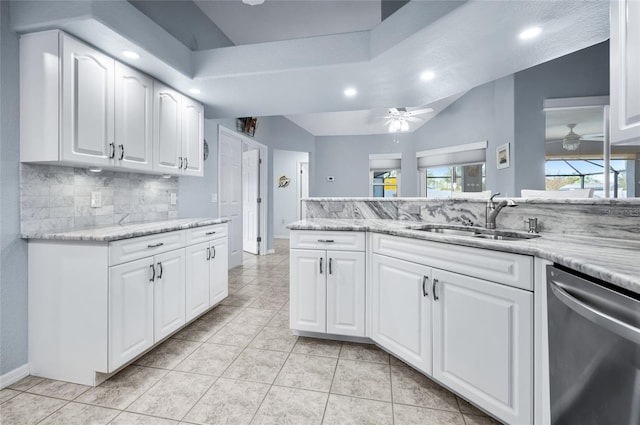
[404, 125]
[571, 141]
[253, 2]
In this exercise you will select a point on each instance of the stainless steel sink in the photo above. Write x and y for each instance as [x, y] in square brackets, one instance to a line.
[509, 237]
[475, 232]
[447, 230]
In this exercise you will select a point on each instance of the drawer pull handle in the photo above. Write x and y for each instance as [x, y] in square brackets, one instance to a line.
[160, 266]
[153, 270]
[321, 265]
[155, 245]
[210, 233]
[208, 253]
[433, 289]
[424, 286]
[326, 240]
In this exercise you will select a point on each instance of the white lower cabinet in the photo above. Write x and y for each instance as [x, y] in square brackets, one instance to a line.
[219, 271]
[328, 291]
[483, 343]
[401, 309]
[169, 293]
[197, 287]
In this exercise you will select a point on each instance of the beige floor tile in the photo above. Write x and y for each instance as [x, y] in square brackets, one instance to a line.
[307, 372]
[81, 414]
[201, 330]
[410, 415]
[277, 339]
[122, 389]
[291, 406]
[363, 352]
[25, 383]
[362, 379]
[7, 394]
[58, 389]
[253, 317]
[209, 359]
[241, 280]
[228, 402]
[250, 290]
[343, 410]
[173, 396]
[128, 418]
[27, 409]
[168, 354]
[237, 300]
[413, 388]
[280, 320]
[270, 302]
[468, 408]
[222, 312]
[480, 420]
[256, 365]
[317, 347]
[235, 334]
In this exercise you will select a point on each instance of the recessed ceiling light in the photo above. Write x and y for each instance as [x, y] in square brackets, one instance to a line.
[131, 55]
[530, 33]
[350, 92]
[427, 76]
[253, 2]
[194, 91]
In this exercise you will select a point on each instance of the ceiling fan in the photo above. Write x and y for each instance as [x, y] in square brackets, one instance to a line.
[398, 118]
[571, 141]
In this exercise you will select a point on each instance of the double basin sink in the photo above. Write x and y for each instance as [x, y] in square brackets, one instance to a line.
[474, 232]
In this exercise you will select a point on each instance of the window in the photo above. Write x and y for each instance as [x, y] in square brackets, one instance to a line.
[384, 175]
[567, 174]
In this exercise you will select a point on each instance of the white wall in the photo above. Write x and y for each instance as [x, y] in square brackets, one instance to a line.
[285, 199]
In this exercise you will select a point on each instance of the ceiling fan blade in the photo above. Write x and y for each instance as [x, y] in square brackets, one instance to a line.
[420, 111]
[592, 140]
[553, 141]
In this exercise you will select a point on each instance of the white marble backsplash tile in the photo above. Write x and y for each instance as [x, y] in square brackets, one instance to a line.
[54, 198]
[593, 217]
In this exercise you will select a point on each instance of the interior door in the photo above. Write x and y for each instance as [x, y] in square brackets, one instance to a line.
[192, 137]
[197, 279]
[230, 191]
[169, 293]
[250, 205]
[167, 129]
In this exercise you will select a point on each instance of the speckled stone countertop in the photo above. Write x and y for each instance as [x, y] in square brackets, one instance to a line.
[126, 231]
[616, 261]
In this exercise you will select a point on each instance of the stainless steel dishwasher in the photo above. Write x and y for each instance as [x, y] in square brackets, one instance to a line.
[594, 351]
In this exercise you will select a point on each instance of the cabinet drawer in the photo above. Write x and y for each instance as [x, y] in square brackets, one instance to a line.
[206, 233]
[132, 249]
[338, 241]
[510, 269]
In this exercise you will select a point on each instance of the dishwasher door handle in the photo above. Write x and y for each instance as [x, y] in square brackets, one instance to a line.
[590, 312]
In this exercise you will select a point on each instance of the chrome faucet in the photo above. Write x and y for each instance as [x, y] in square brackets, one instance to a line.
[492, 210]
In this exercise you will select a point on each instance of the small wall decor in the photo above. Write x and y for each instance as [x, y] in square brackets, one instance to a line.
[283, 181]
[247, 125]
[502, 156]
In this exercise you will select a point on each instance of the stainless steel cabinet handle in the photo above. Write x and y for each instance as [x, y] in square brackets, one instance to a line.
[321, 265]
[155, 245]
[326, 240]
[186, 163]
[433, 289]
[153, 270]
[180, 161]
[121, 151]
[208, 253]
[424, 286]
[112, 150]
[160, 267]
[330, 263]
[210, 233]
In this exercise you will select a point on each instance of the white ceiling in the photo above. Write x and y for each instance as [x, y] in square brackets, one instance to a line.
[277, 20]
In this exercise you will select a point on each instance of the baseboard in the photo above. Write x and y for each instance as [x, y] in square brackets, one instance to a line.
[14, 376]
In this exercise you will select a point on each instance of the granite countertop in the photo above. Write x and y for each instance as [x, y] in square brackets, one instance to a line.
[616, 261]
[125, 231]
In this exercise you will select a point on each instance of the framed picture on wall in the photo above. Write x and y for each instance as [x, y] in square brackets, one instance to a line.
[502, 156]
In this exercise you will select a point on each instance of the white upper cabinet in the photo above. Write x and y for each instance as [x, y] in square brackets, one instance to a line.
[192, 137]
[167, 136]
[133, 118]
[625, 71]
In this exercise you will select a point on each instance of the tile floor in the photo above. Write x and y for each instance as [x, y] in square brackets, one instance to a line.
[239, 364]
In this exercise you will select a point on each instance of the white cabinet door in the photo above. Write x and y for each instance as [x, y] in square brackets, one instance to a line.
[130, 311]
[219, 271]
[308, 290]
[625, 71]
[197, 279]
[167, 130]
[87, 132]
[133, 118]
[192, 137]
[169, 293]
[346, 293]
[401, 309]
[483, 344]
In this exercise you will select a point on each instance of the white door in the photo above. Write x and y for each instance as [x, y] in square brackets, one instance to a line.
[345, 293]
[401, 309]
[133, 118]
[308, 290]
[87, 104]
[130, 311]
[218, 271]
[250, 205]
[304, 187]
[167, 129]
[192, 137]
[230, 192]
[197, 279]
[483, 343]
[169, 293]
